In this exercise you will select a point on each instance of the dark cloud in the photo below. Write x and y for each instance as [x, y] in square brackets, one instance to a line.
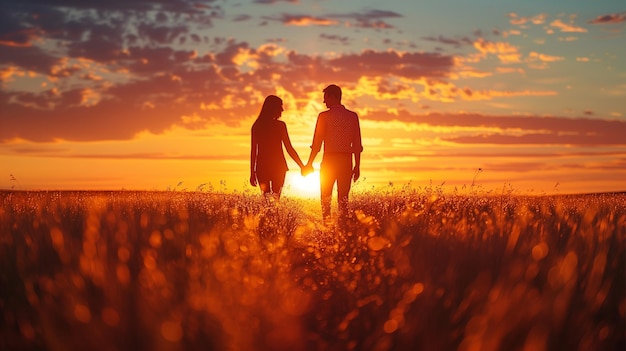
[167, 84]
[610, 18]
[536, 130]
[541, 139]
[369, 18]
[302, 73]
[544, 153]
[524, 169]
[271, 2]
[155, 60]
[101, 31]
[226, 57]
[242, 18]
[100, 21]
[184, 6]
[100, 122]
[13, 32]
[29, 58]
[54, 151]
[409, 65]
[335, 38]
[45, 150]
[456, 42]
[372, 19]
[160, 34]
[104, 45]
[533, 167]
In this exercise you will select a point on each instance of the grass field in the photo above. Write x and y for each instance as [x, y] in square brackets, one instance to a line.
[411, 270]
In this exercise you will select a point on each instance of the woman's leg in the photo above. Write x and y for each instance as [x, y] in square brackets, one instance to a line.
[265, 186]
[271, 182]
[277, 183]
[264, 180]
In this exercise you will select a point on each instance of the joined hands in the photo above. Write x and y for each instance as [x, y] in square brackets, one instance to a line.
[306, 170]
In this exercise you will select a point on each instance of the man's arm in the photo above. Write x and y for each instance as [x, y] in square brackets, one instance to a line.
[318, 138]
[356, 172]
[357, 148]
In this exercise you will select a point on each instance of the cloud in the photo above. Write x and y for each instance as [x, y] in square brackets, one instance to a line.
[533, 56]
[179, 6]
[535, 139]
[518, 20]
[29, 58]
[242, 18]
[411, 65]
[105, 35]
[477, 95]
[13, 33]
[160, 34]
[465, 41]
[372, 19]
[157, 156]
[123, 69]
[369, 19]
[609, 18]
[515, 130]
[505, 52]
[271, 2]
[304, 20]
[567, 27]
[336, 38]
[523, 153]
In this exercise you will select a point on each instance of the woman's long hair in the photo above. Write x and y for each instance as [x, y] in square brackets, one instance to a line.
[271, 108]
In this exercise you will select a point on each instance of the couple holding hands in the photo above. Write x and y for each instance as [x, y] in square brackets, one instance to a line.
[337, 128]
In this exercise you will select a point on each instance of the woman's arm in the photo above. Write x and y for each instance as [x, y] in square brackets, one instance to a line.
[254, 145]
[290, 150]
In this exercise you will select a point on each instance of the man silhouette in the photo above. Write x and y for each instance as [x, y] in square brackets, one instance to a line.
[339, 130]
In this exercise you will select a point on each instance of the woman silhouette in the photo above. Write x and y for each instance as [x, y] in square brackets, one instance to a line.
[267, 160]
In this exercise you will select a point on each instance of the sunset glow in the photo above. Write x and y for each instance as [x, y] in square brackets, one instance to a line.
[308, 186]
[157, 95]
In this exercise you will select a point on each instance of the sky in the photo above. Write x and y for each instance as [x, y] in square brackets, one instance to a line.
[525, 96]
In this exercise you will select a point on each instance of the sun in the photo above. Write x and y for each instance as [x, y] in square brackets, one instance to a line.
[298, 185]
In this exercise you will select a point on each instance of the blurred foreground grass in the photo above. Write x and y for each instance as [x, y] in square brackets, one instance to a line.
[409, 271]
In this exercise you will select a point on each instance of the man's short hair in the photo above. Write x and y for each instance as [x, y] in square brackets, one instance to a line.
[333, 90]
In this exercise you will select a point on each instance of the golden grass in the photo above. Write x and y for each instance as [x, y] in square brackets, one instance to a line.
[410, 270]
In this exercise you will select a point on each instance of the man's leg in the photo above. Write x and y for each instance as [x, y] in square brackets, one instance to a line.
[327, 181]
[344, 178]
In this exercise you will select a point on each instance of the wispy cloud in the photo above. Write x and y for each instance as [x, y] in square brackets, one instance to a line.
[304, 20]
[567, 27]
[506, 52]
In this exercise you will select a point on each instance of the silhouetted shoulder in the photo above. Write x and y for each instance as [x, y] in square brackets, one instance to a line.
[323, 113]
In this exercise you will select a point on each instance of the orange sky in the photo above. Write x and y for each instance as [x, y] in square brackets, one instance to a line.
[155, 95]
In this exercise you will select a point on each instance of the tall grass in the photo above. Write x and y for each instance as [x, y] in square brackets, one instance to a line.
[410, 270]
